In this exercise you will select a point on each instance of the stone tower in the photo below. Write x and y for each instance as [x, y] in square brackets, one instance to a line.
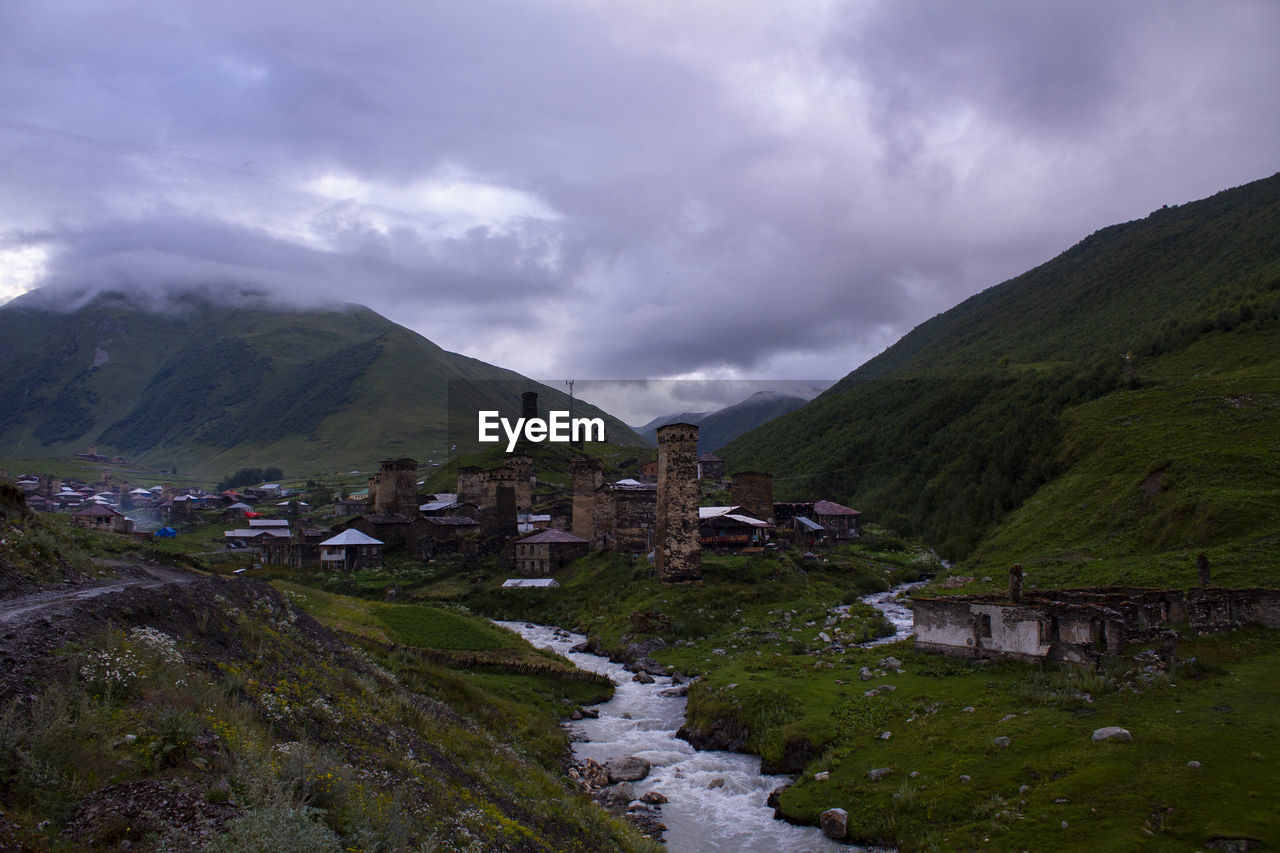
[588, 476]
[394, 490]
[529, 405]
[753, 491]
[471, 485]
[678, 549]
[521, 468]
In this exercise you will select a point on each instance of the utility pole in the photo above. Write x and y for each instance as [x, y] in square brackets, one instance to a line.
[573, 442]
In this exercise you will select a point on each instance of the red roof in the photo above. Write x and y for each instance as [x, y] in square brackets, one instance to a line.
[550, 536]
[832, 508]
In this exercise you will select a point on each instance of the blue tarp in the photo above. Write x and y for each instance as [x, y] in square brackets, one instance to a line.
[166, 533]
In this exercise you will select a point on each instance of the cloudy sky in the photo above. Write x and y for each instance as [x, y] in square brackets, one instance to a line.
[615, 188]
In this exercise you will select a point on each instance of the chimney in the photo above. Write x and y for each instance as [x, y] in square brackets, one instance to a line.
[1015, 582]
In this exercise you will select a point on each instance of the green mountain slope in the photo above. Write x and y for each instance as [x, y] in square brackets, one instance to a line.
[209, 388]
[973, 412]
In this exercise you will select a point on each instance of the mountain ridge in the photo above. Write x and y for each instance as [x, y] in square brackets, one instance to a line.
[970, 414]
[212, 387]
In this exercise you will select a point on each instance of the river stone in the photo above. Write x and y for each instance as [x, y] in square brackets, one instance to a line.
[643, 649]
[642, 678]
[1111, 733]
[629, 768]
[835, 823]
[878, 773]
[594, 774]
[773, 801]
[1002, 741]
[619, 794]
[653, 798]
[717, 782]
[892, 663]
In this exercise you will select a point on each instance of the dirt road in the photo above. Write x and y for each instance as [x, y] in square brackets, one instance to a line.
[14, 611]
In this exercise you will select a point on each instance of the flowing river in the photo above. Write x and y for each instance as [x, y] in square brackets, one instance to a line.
[716, 799]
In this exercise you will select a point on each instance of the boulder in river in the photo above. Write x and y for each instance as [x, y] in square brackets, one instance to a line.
[626, 768]
[619, 794]
[654, 798]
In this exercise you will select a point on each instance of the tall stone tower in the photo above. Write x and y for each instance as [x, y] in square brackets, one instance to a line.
[678, 550]
[394, 489]
[529, 405]
[753, 491]
[588, 476]
[471, 485]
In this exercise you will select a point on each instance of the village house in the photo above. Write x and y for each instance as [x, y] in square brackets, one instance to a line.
[301, 549]
[727, 527]
[353, 504]
[350, 551]
[97, 516]
[807, 531]
[445, 534]
[710, 467]
[547, 551]
[839, 522]
[259, 531]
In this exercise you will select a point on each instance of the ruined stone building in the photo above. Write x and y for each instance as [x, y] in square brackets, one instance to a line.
[480, 486]
[621, 516]
[1080, 625]
[678, 547]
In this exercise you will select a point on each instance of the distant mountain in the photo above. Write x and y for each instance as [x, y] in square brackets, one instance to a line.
[650, 430]
[718, 428]
[984, 413]
[208, 388]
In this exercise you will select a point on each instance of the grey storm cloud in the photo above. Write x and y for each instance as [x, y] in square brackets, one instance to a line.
[614, 189]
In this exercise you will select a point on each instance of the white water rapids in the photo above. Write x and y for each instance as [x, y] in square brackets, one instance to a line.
[703, 813]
